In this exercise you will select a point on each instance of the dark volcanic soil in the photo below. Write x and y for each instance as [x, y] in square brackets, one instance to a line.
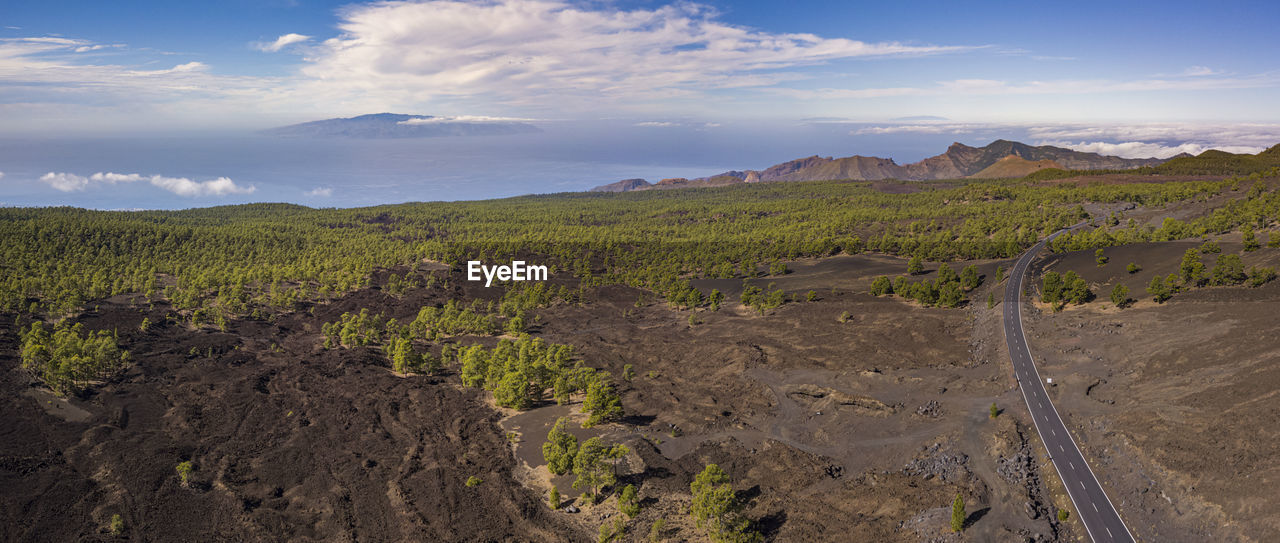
[291, 444]
[830, 430]
[1175, 403]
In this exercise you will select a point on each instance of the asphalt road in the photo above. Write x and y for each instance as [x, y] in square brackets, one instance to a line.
[1092, 506]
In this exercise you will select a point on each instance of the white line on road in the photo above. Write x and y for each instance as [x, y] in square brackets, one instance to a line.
[1061, 449]
[1095, 507]
[1073, 465]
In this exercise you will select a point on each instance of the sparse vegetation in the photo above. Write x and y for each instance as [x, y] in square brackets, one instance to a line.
[629, 501]
[1228, 270]
[1159, 289]
[1120, 295]
[116, 526]
[474, 481]
[1062, 289]
[612, 531]
[1100, 258]
[1259, 276]
[1133, 268]
[881, 286]
[560, 448]
[184, 470]
[915, 266]
[716, 507]
[553, 500]
[1063, 515]
[593, 465]
[762, 300]
[957, 514]
[656, 529]
[995, 411]
[1249, 239]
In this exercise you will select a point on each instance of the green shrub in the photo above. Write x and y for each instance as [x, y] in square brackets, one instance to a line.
[1120, 295]
[184, 470]
[629, 501]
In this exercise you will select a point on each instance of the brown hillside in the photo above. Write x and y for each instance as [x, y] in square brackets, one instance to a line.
[1014, 166]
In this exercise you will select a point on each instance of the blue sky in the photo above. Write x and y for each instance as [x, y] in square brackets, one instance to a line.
[210, 64]
[1137, 79]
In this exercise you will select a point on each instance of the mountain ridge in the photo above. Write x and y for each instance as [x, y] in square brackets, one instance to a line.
[400, 125]
[959, 161]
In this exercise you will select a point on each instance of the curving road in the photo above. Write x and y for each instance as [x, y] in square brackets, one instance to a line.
[1095, 510]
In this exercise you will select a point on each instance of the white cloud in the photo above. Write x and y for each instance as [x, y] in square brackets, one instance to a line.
[182, 186]
[541, 52]
[222, 186]
[658, 124]
[462, 119]
[65, 182]
[324, 192]
[992, 87]
[1, 175]
[915, 129]
[113, 178]
[1199, 71]
[1207, 135]
[1139, 149]
[51, 80]
[281, 42]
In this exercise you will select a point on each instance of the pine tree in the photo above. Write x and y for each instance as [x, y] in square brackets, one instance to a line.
[601, 403]
[915, 266]
[1120, 295]
[881, 286]
[957, 514]
[969, 278]
[1158, 289]
[716, 507]
[628, 501]
[1192, 270]
[560, 448]
[589, 465]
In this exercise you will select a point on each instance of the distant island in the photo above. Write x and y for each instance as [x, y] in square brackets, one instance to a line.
[999, 159]
[398, 125]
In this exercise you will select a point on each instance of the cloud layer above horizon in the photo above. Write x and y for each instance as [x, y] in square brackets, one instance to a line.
[181, 186]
